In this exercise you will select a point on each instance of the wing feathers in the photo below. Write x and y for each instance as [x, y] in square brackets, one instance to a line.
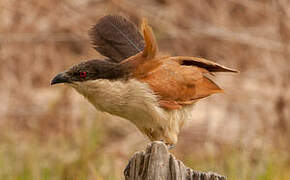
[116, 38]
[206, 87]
[150, 41]
[198, 90]
[202, 63]
[177, 80]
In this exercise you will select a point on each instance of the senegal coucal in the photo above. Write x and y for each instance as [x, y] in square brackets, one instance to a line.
[156, 92]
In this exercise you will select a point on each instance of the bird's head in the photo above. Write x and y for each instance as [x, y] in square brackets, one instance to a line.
[123, 45]
[90, 70]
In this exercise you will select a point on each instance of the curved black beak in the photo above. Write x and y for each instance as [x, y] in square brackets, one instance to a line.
[59, 78]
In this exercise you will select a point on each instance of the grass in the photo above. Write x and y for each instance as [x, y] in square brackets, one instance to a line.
[65, 159]
[240, 164]
[58, 158]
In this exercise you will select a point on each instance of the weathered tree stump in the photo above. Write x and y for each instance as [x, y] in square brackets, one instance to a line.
[156, 163]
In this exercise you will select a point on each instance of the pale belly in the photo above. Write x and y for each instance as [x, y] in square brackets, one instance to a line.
[136, 102]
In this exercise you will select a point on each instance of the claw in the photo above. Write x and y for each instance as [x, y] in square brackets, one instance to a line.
[170, 146]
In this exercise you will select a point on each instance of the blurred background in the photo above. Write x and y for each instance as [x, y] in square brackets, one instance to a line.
[54, 133]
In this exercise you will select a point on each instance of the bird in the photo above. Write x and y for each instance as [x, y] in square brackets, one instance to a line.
[135, 81]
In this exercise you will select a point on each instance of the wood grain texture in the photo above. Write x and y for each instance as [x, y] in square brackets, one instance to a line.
[156, 163]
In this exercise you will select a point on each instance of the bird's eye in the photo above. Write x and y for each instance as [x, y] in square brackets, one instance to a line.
[83, 74]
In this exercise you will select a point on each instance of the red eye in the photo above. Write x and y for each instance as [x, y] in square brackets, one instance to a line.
[83, 74]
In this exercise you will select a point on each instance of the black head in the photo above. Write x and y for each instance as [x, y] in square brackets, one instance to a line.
[91, 70]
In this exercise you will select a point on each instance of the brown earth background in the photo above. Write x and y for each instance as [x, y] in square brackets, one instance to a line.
[54, 133]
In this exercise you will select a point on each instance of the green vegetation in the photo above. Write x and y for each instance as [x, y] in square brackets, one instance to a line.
[68, 158]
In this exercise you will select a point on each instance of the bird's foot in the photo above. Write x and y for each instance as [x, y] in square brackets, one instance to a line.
[170, 146]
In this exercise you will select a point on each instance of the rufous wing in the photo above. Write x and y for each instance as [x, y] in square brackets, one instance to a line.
[151, 47]
[144, 62]
[177, 81]
[176, 85]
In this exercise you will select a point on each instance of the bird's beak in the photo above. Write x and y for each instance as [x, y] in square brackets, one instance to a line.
[60, 78]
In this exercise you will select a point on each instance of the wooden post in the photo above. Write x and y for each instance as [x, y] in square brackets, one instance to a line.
[156, 163]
